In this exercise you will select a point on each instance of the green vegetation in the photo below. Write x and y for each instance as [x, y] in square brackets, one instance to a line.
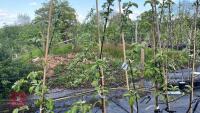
[62, 49]
[107, 50]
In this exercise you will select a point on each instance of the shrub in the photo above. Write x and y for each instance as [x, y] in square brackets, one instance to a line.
[35, 52]
[11, 71]
[70, 78]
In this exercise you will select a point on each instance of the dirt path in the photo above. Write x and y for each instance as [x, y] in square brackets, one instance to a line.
[54, 61]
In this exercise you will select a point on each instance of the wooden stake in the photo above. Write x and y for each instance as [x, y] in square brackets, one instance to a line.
[124, 49]
[124, 52]
[101, 43]
[194, 54]
[155, 36]
[142, 67]
[165, 71]
[97, 21]
[46, 57]
[136, 31]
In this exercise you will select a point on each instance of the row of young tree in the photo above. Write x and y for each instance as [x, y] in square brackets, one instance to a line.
[160, 28]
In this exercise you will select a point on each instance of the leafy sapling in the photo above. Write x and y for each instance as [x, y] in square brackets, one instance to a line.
[80, 106]
[34, 82]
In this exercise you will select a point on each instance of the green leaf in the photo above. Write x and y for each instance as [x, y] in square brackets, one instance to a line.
[18, 84]
[131, 100]
[134, 4]
[95, 83]
[147, 2]
[31, 89]
[16, 110]
[50, 104]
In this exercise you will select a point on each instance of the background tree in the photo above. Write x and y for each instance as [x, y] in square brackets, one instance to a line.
[64, 21]
[23, 19]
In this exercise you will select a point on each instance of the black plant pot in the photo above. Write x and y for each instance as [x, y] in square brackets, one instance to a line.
[182, 85]
[157, 111]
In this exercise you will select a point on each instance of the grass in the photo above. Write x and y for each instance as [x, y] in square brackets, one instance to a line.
[115, 51]
[62, 49]
[35, 52]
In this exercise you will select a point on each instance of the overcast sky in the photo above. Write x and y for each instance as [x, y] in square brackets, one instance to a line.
[9, 9]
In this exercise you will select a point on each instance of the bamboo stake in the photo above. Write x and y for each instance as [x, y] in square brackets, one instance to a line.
[46, 56]
[124, 52]
[194, 54]
[154, 39]
[170, 23]
[103, 101]
[155, 35]
[166, 90]
[142, 58]
[101, 44]
[134, 88]
[165, 71]
[158, 29]
[97, 21]
[164, 65]
[136, 31]
[124, 47]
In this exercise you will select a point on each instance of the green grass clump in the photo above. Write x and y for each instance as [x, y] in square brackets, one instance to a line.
[62, 49]
[115, 51]
[35, 52]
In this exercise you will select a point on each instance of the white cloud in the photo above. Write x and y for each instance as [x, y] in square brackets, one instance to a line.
[135, 14]
[33, 3]
[80, 17]
[7, 18]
